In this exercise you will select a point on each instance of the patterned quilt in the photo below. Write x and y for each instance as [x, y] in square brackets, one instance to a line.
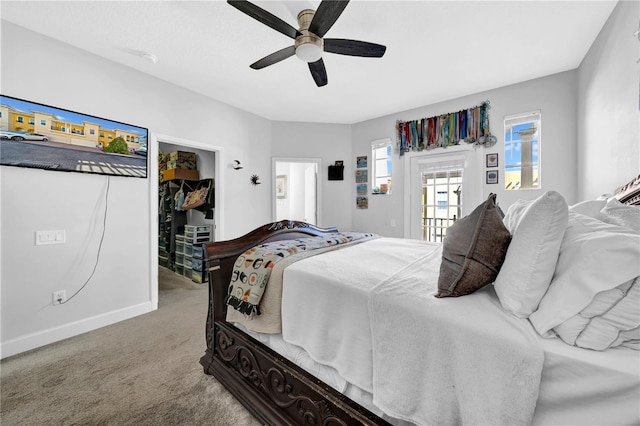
[253, 268]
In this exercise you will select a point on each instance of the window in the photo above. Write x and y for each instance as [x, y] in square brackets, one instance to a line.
[43, 122]
[92, 132]
[381, 166]
[441, 198]
[19, 120]
[32, 121]
[522, 151]
[102, 134]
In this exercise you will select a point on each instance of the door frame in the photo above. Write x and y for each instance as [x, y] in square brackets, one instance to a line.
[318, 163]
[153, 174]
[473, 189]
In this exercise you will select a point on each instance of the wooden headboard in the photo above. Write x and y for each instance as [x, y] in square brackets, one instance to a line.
[629, 193]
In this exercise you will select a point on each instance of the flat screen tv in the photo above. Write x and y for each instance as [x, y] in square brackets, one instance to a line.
[43, 137]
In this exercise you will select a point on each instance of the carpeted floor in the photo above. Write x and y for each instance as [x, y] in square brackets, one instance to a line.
[143, 371]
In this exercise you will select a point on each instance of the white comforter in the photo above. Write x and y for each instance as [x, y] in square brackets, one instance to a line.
[325, 302]
[460, 360]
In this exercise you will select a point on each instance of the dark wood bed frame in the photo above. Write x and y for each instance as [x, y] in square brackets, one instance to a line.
[273, 389]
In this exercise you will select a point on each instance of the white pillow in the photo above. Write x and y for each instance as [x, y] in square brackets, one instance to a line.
[610, 210]
[537, 228]
[589, 207]
[620, 214]
[594, 257]
[611, 319]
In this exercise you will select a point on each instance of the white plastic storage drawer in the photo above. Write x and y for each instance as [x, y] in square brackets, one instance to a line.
[196, 264]
[179, 247]
[197, 252]
[198, 238]
[197, 228]
[187, 272]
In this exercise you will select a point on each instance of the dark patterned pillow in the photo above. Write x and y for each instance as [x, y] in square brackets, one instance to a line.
[473, 251]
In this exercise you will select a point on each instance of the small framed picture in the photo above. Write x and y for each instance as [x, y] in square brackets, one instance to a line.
[492, 176]
[492, 160]
[281, 187]
[362, 202]
[361, 162]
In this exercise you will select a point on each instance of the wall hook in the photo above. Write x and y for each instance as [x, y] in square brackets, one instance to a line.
[237, 166]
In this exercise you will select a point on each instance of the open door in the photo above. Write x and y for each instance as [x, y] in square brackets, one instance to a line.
[295, 189]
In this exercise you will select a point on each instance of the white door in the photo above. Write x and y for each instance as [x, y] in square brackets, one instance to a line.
[295, 189]
[442, 189]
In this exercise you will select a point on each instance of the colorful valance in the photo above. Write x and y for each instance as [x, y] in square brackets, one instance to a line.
[469, 125]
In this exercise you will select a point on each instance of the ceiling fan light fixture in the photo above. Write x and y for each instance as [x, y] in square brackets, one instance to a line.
[309, 47]
[309, 52]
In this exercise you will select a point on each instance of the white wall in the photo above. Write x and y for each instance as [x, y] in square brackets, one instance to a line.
[554, 95]
[329, 142]
[608, 106]
[43, 70]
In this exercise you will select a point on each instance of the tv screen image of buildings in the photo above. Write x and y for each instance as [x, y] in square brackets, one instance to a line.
[39, 136]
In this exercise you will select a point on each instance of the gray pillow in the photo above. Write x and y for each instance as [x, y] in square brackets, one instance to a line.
[473, 251]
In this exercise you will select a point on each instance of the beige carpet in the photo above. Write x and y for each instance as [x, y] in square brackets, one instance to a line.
[143, 371]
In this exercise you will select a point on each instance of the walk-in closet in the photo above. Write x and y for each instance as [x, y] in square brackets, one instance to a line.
[186, 203]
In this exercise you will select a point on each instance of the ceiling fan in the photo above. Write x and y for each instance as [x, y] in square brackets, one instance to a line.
[309, 42]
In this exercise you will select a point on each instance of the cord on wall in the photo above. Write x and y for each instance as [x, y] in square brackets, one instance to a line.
[104, 228]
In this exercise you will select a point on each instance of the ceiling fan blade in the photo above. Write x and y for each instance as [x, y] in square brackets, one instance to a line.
[354, 47]
[326, 15]
[274, 58]
[319, 72]
[265, 17]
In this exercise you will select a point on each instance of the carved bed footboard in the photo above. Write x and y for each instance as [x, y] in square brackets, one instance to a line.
[273, 389]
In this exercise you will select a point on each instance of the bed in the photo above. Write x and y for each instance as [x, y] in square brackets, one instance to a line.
[522, 349]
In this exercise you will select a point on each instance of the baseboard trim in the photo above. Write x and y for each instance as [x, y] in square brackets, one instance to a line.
[55, 334]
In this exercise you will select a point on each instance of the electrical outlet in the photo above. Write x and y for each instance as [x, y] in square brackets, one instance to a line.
[59, 297]
[51, 237]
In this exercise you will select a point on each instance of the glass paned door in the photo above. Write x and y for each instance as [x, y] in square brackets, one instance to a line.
[441, 202]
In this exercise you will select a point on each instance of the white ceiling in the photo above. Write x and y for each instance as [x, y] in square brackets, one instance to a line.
[436, 50]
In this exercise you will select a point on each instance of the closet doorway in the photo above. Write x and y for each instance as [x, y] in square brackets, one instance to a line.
[208, 164]
[296, 189]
